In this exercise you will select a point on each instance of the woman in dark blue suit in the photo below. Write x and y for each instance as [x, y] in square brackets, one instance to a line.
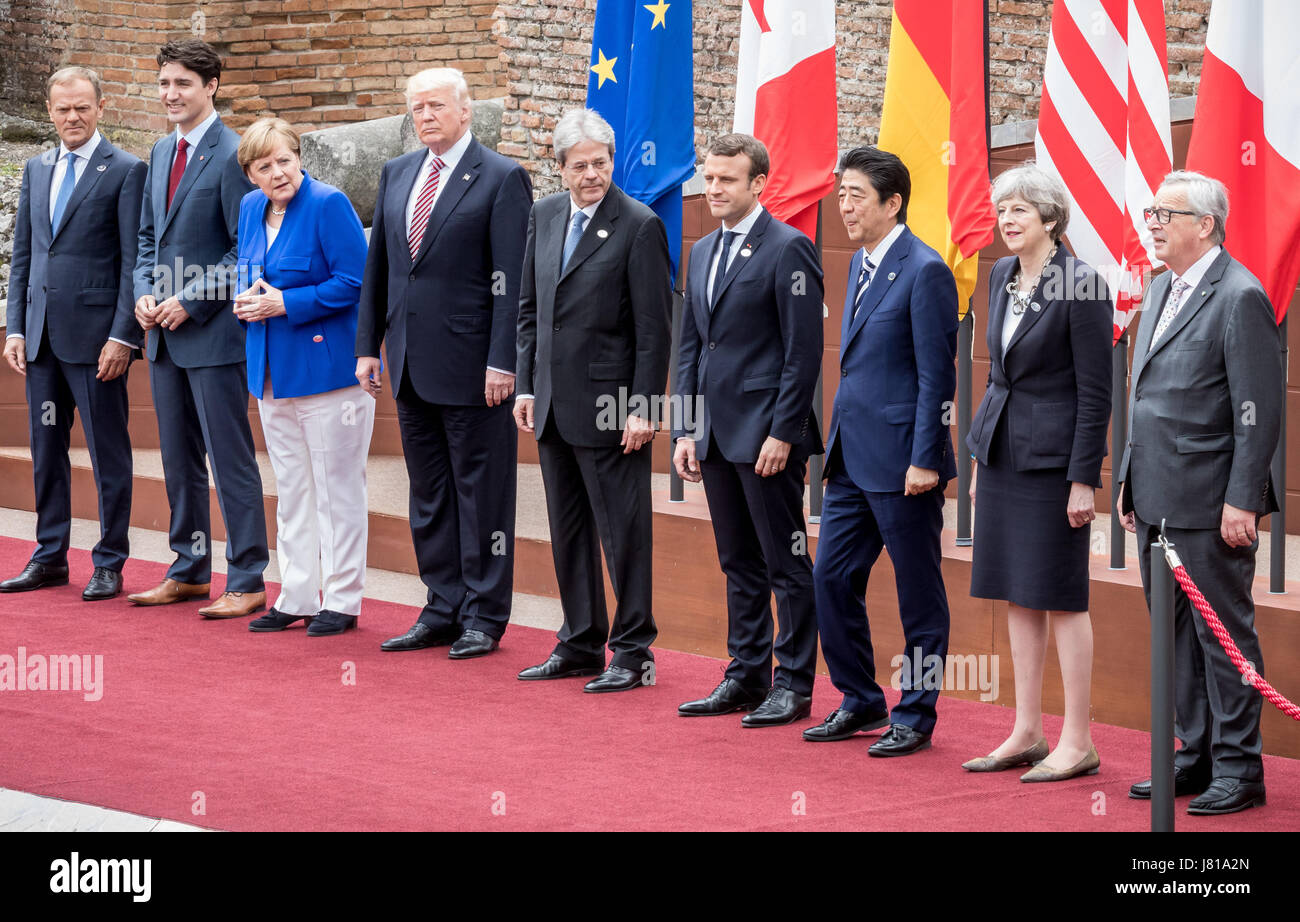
[1039, 437]
[303, 247]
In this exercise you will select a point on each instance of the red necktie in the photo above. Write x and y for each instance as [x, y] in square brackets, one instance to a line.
[423, 207]
[178, 170]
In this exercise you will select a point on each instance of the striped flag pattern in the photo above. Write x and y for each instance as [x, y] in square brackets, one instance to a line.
[423, 207]
[1103, 129]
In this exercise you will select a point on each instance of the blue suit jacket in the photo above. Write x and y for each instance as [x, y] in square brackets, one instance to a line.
[317, 261]
[73, 289]
[897, 371]
[455, 304]
[753, 359]
[189, 250]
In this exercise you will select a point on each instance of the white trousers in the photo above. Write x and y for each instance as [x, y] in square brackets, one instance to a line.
[318, 447]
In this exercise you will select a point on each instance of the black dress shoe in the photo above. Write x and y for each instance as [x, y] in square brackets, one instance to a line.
[561, 667]
[36, 576]
[420, 636]
[613, 679]
[729, 696]
[472, 644]
[330, 622]
[276, 620]
[104, 584]
[899, 740]
[842, 725]
[1227, 795]
[1186, 782]
[781, 706]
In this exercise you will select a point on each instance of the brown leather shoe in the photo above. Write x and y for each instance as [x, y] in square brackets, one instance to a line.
[235, 605]
[168, 591]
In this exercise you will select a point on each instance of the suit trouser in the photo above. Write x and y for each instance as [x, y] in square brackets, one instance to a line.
[462, 465]
[318, 446]
[205, 410]
[856, 525]
[55, 390]
[762, 541]
[1216, 715]
[594, 497]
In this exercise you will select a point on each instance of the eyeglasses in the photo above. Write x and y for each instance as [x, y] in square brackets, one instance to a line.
[1163, 215]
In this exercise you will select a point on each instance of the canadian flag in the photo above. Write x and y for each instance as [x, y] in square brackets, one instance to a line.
[785, 97]
[1247, 134]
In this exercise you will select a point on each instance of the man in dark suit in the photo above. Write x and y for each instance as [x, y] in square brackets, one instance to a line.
[751, 345]
[184, 283]
[71, 328]
[442, 288]
[1205, 411]
[594, 315]
[887, 459]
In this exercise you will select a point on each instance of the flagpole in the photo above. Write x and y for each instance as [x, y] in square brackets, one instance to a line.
[1277, 534]
[1118, 434]
[815, 462]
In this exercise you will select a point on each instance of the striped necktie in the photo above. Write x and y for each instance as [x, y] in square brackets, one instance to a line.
[423, 207]
[1172, 306]
[864, 279]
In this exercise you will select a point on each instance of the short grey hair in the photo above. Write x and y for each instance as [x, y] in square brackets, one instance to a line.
[1205, 196]
[578, 125]
[1031, 183]
[66, 75]
[438, 78]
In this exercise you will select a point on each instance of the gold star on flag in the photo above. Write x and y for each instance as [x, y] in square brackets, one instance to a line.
[604, 69]
[660, 10]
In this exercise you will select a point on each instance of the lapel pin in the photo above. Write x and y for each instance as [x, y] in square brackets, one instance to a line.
[101, 168]
[891, 276]
[465, 177]
[746, 252]
[201, 157]
[1035, 307]
[602, 233]
[318, 338]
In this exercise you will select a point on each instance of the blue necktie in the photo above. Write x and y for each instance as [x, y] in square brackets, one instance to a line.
[575, 234]
[65, 192]
[864, 279]
[719, 273]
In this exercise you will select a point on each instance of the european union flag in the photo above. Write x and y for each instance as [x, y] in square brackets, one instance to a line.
[642, 82]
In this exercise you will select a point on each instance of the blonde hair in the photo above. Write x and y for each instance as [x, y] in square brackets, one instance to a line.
[263, 137]
[439, 78]
[65, 75]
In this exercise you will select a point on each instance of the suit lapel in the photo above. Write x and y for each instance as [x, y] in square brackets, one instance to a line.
[202, 154]
[998, 314]
[288, 224]
[846, 322]
[699, 279]
[454, 185]
[404, 182]
[95, 168]
[881, 281]
[1035, 299]
[599, 229]
[744, 255]
[1156, 295]
[41, 189]
[1196, 299]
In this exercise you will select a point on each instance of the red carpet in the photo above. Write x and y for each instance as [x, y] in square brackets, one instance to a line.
[261, 730]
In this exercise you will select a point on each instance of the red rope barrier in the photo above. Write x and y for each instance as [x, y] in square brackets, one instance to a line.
[1225, 640]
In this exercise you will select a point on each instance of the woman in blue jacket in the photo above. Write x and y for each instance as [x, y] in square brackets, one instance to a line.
[303, 248]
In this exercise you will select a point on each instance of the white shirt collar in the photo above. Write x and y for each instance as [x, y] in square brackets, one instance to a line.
[745, 224]
[589, 211]
[451, 157]
[1196, 271]
[877, 256]
[198, 131]
[85, 151]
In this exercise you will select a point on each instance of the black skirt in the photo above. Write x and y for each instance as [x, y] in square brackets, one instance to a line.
[1025, 550]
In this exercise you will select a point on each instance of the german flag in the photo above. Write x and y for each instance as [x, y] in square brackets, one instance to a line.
[934, 118]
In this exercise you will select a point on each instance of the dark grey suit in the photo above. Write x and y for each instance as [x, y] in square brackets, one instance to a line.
[69, 292]
[1205, 410]
[200, 386]
[587, 334]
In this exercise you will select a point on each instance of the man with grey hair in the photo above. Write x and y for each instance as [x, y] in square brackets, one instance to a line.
[594, 313]
[1205, 411]
[72, 328]
[441, 291]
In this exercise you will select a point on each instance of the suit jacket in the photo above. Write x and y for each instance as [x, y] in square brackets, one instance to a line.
[1053, 383]
[1205, 406]
[189, 250]
[752, 360]
[73, 289]
[600, 329]
[897, 371]
[317, 261]
[456, 303]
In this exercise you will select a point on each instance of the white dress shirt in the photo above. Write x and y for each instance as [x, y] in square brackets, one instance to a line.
[449, 162]
[741, 230]
[192, 139]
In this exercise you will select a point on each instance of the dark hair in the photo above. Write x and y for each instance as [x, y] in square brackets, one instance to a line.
[194, 55]
[732, 145]
[886, 172]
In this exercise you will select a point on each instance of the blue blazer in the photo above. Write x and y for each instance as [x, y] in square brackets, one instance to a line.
[73, 289]
[897, 371]
[317, 261]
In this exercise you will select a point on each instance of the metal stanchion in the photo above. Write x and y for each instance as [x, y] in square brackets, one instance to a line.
[675, 489]
[1162, 690]
[965, 348]
[1277, 534]
[1118, 436]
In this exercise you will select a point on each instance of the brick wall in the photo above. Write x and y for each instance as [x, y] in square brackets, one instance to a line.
[546, 43]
